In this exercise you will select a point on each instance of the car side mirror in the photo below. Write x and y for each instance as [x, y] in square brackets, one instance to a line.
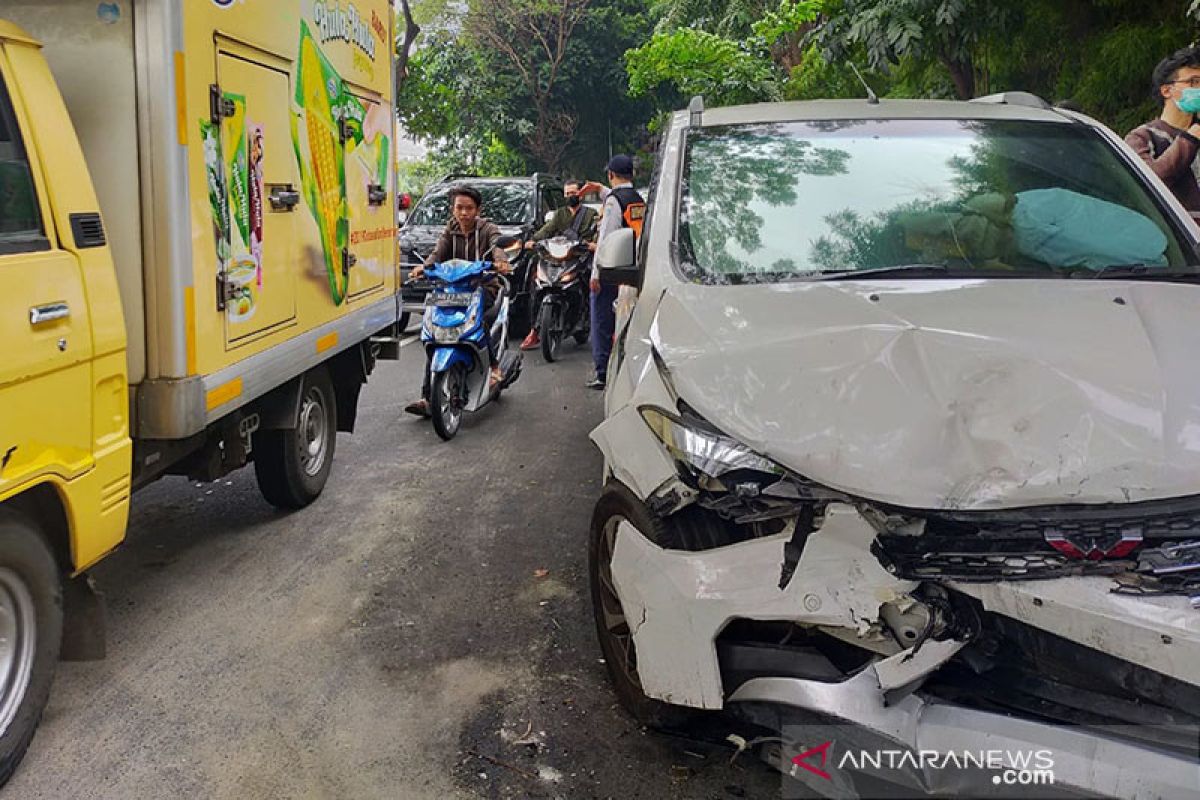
[617, 258]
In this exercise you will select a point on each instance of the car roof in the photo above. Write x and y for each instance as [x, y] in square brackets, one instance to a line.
[472, 180]
[990, 108]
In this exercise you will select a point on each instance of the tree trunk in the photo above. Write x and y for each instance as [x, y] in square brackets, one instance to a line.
[411, 31]
[963, 75]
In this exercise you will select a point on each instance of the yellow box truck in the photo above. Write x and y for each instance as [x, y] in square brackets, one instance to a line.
[197, 271]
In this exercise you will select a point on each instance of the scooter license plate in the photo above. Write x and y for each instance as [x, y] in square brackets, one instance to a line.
[459, 300]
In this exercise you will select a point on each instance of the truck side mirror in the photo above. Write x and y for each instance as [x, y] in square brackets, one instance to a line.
[617, 258]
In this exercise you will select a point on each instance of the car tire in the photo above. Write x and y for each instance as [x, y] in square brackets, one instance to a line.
[31, 595]
[292, 466]
[616, 644]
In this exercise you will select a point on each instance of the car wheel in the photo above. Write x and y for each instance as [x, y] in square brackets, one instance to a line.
[292, 466]
[31, 623]
[615, 506]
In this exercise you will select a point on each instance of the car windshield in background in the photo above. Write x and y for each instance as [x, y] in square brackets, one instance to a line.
[809, 200]
[503, 204]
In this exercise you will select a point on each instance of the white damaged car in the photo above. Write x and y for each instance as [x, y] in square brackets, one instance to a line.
[903, 437]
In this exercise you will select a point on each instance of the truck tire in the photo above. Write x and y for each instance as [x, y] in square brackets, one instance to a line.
[31, 625]
[618, 504]
[292, 465]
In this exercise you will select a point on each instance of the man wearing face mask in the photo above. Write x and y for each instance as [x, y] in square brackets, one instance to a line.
[1171, 143]
[575, 220]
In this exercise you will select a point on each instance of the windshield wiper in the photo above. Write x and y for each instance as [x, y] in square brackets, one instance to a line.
[1135, 272]
[908, 270]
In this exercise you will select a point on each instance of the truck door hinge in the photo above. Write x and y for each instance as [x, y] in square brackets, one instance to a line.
[225, 291]
[218, 106]
[348, 260]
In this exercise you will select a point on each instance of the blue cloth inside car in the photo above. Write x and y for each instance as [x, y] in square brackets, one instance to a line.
[1067, 229]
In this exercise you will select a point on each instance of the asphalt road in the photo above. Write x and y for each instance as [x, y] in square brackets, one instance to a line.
[398, 639]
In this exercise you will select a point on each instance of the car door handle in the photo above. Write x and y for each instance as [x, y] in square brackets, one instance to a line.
[48, 313]
[284, 198]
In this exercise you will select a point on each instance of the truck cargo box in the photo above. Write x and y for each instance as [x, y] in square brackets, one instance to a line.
[241, 151]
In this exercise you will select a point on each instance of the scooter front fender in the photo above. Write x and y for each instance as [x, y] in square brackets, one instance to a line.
[446, 357]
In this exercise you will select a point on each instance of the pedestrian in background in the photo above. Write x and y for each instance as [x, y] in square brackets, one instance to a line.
[1170, 143]
[623, 208]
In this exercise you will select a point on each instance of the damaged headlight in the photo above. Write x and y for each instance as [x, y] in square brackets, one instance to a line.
[693, 442]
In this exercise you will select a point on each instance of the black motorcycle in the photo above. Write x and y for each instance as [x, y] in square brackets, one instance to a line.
[563, 268]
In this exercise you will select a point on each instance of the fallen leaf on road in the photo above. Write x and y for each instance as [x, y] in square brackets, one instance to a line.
[541, 573]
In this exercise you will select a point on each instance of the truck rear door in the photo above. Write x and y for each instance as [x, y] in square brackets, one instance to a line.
[45, 331]
[263, 194]
[371, 210]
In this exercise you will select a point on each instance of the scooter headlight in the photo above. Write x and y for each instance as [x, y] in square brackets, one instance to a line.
[454, 333]
[694, 442]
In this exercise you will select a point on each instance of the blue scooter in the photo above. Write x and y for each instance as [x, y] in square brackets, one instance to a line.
[455, 333]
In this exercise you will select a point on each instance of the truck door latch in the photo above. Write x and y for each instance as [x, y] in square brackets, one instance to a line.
[348, 260]
[376, 194]
[284, 198]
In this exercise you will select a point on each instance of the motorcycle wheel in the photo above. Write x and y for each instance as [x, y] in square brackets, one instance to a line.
[551, 335]
[447, 399]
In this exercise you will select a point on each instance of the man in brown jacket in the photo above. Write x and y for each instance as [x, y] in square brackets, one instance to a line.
[1170, 143]
[470, 237]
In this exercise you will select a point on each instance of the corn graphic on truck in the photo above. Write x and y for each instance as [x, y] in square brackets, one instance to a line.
[198, 271]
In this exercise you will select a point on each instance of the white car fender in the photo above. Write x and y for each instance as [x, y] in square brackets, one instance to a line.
[677, 603]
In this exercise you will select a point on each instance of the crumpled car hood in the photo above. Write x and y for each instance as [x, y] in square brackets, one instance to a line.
[951, 394]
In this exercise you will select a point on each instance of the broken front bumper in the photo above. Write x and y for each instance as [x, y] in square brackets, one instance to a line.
[1080, 761]
[678, 604]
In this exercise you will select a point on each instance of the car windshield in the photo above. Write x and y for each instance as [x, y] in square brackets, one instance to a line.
[811, 200]
[503, 204]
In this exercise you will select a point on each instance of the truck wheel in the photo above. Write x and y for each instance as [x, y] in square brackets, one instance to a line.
[31, 624]
[615, 506]
[292, 466]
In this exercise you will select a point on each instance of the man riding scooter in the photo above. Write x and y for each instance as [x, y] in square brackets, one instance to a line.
[470, 237]
[574, 220]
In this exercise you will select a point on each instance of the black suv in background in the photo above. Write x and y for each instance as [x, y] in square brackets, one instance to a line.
[519, 206]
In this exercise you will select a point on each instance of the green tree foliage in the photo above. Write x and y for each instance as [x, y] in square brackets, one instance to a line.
[692, 61]
[718, 61]
[953, 33]
[497, 87]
